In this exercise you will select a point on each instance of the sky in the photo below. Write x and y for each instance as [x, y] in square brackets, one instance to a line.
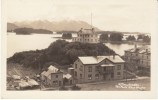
[108, 15]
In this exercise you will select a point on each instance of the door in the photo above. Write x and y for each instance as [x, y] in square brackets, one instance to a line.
[59, 83]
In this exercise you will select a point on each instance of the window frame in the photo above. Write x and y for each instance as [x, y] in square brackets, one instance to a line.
[89, 76]
[89, 68]
[118, 67]
[119, 74]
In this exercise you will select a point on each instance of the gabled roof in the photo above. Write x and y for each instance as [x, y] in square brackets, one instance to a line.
[98, 59]
[68, 76]
[87, 31]
[144, 49]
[51, 69]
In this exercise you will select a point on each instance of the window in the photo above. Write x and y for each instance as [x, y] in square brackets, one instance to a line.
[96, 76]
[75, 73]
[118, 67]
[96, 68]
[89, 76]
[136, 54]
[118, 73]
[56, 76]
[104, 68]
[55, 82]
[80, 76]
[75, 66]
[91, 35]
[92, 40]
[81, 68]
[89, 69]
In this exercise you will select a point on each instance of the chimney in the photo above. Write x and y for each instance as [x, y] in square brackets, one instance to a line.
[113, 56]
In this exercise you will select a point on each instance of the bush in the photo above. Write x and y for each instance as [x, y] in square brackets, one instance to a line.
[63, 88]
[131, 38]
[103, 37]
[67, 36]
[75, 87]
[116, 36]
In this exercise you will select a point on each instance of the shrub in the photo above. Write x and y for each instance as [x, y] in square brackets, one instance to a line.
[63, 88]
[75, 87]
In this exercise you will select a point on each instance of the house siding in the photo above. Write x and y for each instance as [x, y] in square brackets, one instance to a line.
[92, 70]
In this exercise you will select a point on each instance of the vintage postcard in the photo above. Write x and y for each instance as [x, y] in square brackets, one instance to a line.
[79, 49]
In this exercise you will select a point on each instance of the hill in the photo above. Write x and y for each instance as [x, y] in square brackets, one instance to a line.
[64, 25]
[59, 52]
[11, 27]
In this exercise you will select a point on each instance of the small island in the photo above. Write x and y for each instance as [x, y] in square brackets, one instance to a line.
[67, 36]
[27, 31]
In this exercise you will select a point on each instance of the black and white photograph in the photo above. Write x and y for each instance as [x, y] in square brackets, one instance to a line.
[79, 45]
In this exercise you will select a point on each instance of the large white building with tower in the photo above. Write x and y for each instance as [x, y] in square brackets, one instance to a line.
[86, 36]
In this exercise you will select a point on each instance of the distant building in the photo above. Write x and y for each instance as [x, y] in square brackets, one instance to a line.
[86, 36]
[98, 68]
[139, 56]
[52, 77]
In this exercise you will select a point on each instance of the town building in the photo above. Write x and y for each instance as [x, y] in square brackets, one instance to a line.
[98, 68]
[52, 77]
[68, 79]
[139, 56]
[86, 36]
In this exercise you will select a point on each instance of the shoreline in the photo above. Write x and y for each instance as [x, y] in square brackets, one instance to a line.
[127, 42]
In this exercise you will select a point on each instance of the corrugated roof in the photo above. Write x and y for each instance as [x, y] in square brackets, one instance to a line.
[98, 59]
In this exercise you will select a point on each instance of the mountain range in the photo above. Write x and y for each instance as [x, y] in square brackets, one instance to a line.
[11, 26]
[65, 25]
